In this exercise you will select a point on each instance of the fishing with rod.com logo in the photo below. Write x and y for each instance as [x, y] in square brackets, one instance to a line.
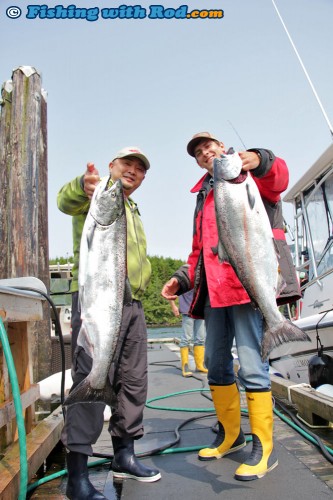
[121, 12]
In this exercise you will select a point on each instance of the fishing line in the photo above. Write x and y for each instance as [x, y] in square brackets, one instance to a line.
[239, 137]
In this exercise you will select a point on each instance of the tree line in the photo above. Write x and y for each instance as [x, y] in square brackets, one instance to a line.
[157, 310]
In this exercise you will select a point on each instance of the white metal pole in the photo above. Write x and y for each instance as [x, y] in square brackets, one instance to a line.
[304, 69]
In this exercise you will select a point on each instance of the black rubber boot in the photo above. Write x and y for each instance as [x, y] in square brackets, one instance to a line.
[125, 465]
[78, 485]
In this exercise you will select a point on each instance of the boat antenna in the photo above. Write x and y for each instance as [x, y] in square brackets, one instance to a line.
[304, 69]
[239, 137]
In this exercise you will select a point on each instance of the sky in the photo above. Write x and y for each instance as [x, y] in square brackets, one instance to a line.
[154, 82]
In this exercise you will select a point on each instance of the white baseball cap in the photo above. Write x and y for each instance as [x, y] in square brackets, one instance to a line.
[133, 151]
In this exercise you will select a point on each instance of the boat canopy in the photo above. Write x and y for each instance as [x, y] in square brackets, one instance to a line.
[319, 167]
[312, 197]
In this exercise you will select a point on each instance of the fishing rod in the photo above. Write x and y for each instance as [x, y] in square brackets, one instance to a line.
[239, 137]
[286, 225]
[304, 69]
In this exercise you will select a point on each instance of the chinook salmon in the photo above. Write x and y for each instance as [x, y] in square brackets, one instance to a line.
[246, 242]
[103, 288]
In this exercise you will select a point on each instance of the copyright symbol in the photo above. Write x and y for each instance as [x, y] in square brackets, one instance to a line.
[13, 12]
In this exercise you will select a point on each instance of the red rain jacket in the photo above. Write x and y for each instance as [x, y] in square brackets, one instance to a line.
[204, 272]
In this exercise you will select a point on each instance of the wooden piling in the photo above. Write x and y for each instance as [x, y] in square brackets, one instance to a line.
[24, 252]
[23, 202]
[5, 165]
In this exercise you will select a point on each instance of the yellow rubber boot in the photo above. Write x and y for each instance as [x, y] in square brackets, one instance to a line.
[199, 355]
[184, 361]
[262, 458]
[230, 436]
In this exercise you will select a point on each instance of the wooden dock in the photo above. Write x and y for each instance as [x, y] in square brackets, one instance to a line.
[303, 472]
[20, 309]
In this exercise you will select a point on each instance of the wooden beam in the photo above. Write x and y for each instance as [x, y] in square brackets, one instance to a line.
[40, 443]
[28, 397]
[20, 308]
[313, 407]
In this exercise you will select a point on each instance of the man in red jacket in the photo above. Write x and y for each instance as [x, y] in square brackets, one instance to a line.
[221, 300]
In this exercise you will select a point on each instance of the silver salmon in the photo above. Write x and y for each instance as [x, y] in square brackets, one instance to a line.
[246, 242]
[103, 288]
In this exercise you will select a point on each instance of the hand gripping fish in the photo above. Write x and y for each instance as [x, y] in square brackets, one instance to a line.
[103, 289]
[246, 242]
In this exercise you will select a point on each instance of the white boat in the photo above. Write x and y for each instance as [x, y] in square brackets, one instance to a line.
[312, 199]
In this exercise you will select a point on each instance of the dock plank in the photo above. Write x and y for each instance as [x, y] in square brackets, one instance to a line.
[302, 472]
[40, 442]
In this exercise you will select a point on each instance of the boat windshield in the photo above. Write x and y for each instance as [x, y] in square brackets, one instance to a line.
[314, 216]
[60, 291]
[60, 284]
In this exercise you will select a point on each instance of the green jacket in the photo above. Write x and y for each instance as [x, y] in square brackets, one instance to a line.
[72, 200]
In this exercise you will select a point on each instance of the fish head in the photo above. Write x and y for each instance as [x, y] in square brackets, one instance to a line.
[227, 167]
[108, 204]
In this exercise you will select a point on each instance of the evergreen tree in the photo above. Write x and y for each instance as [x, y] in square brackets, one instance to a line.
[157, 309]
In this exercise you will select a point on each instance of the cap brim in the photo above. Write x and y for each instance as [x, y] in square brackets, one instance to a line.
[192, 144]
[196, 140]
[139, 156]
[143, 159]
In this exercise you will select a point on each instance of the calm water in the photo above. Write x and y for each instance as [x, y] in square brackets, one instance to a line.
[165, 332]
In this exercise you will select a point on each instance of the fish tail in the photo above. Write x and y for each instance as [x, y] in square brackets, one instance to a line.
[84, 393]
[286, 331]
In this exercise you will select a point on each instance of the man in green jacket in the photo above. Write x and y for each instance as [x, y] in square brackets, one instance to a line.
[84, 422]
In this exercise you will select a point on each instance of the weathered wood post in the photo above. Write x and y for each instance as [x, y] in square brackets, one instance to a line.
[23, 201]
[5, 160]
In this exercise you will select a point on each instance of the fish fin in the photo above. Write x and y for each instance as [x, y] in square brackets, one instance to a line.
[128, 292]
[220, 251]
[285, 331]
[250, 196]
[84, 393]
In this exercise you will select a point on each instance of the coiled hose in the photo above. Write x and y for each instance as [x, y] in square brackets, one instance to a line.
[166, 449]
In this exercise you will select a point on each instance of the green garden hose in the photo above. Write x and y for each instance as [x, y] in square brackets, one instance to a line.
[168, 448]
[18, 410]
